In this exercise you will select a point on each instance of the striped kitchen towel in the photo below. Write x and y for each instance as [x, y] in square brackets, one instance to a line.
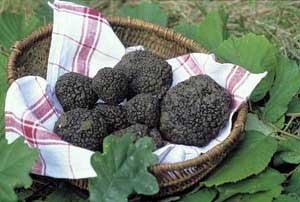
[84, 42]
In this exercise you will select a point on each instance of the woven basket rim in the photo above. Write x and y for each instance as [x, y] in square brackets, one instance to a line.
[238, 126]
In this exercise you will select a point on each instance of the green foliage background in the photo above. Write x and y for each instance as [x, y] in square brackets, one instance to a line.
[260, 36]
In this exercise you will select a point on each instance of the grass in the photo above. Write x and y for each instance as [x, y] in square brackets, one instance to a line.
[278, 20]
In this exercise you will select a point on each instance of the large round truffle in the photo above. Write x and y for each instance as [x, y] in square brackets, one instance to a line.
[143, 109]
[74, 90]
[193, 112]
[142, 131]
[81, 127]
[146, 73]
[110, 85]
[114, 116]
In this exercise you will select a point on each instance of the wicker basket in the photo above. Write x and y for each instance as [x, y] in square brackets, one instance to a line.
[29, 57]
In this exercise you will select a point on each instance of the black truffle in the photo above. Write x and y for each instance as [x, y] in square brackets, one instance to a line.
[142, 131]
[143, 109]
[193, 112]
[74, 90]
[146, 73]
[81, 127]
[111, 85]
[114, 116]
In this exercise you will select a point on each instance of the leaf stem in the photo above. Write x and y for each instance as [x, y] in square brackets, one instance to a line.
[283, 132]
[289, 123]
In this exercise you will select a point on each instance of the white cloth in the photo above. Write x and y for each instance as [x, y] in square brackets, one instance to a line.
[83, 41]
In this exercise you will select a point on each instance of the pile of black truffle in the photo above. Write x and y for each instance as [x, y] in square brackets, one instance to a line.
[136, 98]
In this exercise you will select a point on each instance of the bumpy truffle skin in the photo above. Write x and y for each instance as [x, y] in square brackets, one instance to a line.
[193, 112]
[74, 90]
[111, 85]
[146, 73]
[143, 109]
[81, 127]
[114, 116]
[142, 131]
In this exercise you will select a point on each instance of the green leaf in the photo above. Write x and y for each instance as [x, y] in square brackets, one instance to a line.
[204, 195]
[294, 183]
[286, 85]
[290, 157]
[280, 123]
[290, 151]
[16, 163]
[287, 198]
[122, 169]
[253, 52]
[169, 199]
[149, 12]
[277, 161]
[191, 31]
[65, 194]
[3, 88]
[265, 196]
[260, 147]
[214, 24]
[23, 194]
[45, 12]
[14, 27]
[263, 87]
[294, 107]
[253, 123]
[261, 182]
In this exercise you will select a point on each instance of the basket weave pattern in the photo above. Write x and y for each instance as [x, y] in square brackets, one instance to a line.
[29, 57]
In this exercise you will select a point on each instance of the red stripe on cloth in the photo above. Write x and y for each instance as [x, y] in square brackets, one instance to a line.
[41, 110]
[59, 66]
[69, 160]
[34, 132]
[27, 129]
[31, 141]
[38, 102]
[236, 77]
[78, 42]
[238, 97]
[193, 65]
[84, 15]
[77, 8]
[237, 102]
[98, 34]
[245, 77]
[182, 62]
[47, 116]
[38, 167]
[47, 99]
[81, 11]
[229, 76]
[44, 164]
[44, 136]
[9, 115]
[89, 40]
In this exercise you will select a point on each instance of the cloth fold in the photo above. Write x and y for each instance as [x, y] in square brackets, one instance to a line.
[84, 42]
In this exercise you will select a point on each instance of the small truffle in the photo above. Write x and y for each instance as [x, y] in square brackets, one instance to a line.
[143, 109]
[142, 131]
[74, 90]
[82, 128]
[193, 112]
[146, 73]
[114, 116]
[110, 85]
